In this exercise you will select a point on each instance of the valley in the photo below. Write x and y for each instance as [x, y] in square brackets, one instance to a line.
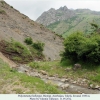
[31, 60]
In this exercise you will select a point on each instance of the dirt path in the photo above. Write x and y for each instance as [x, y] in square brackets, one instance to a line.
[8, 61]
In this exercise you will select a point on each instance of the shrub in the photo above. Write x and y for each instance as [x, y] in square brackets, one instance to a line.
[11, 6]
[2, 11]
[38, 46]
[28, 41]
[35, 48]
[80, 48]
[2, 2]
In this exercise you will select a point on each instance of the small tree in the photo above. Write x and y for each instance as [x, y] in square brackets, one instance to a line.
[80, 48]
[94, 26]
[28, 41]
[39, 46]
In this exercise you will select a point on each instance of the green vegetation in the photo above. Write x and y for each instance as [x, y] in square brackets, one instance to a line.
[55, 68]
[81, 48]
[14, 82]
[36, 48]
[28, 41]
[16, 51]
[52, 68]
[52, 26]
[34, 65]
[2, 2]
[80, 22]
[11, 6]
[94, 27]
[2, 11]
[20, 53]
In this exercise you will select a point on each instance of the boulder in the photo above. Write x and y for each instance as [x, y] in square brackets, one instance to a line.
[43, 72]
[76, 67]
[64, 86]
[68, 69]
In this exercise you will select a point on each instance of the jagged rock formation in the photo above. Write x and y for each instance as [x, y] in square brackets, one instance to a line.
[52, 15]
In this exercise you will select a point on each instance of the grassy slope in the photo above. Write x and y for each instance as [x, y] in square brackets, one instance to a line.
[14, 82]
[80, 22]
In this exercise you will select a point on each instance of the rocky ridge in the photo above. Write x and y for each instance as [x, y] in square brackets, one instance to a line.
[52, 15]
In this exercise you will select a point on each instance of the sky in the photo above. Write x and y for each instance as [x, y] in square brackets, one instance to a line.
[34, 8]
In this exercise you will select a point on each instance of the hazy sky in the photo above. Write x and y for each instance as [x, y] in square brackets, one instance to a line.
[34, 8]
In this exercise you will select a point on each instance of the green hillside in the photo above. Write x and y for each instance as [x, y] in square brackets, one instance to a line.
[80, 22]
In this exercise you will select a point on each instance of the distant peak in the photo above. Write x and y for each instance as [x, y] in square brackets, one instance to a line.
[52, 9]
[63, 8]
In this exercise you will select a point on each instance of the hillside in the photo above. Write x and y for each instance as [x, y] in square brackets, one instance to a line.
[69, 20]
[14, 25]
[23, 68]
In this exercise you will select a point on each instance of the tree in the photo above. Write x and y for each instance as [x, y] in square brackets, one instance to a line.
[81, 48]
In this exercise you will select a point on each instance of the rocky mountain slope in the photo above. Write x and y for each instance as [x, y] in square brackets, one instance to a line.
[15, 25]
[52, 15]
[65, 21]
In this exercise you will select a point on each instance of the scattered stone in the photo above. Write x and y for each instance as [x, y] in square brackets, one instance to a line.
[65, 86]
[97, 87]
[82, 83]
[24, 92]
[43, 72]
[84, 80]
[51, 78]
[64, 76]
[74, 82]
[60, 84]
[92, 86]
[76, 67]
[67, 80]
[56, 75]
[63, 80]
[26, 70]
[71, 80]
[68, 69]
[79, 92]
[52, 75]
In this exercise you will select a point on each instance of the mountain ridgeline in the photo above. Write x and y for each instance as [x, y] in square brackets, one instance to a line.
[65, 21]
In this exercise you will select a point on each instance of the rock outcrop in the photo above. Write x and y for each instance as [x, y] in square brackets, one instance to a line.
[52, 15]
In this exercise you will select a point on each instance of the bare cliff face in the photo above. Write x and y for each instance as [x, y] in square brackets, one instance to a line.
[52, 15]
[15, 25]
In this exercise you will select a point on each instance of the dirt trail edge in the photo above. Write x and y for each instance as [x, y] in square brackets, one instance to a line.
[7, 60]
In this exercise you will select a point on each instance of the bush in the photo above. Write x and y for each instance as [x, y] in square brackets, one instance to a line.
[2, 11]
[38, 46]
[80, 48]
[28, 41]
[35, 48]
